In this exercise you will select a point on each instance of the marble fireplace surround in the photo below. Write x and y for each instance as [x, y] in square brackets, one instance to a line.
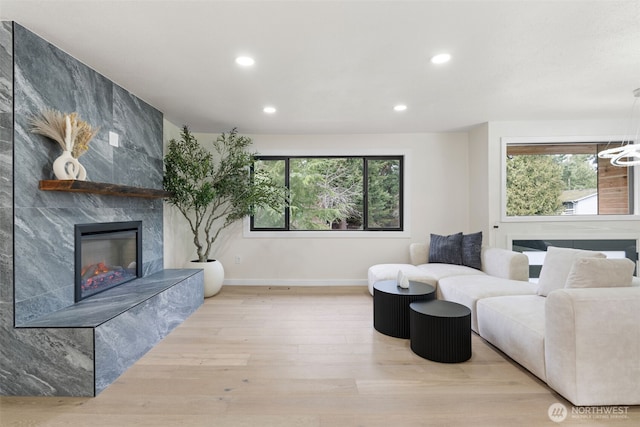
[49, 345]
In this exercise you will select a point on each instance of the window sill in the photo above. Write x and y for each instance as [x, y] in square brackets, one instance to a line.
[571, 218]
[355, 234]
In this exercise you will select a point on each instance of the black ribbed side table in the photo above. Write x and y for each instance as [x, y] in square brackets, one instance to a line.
[441, 331]
[391, 305]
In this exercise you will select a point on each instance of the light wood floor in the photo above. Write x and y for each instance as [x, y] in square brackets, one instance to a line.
[306, 356]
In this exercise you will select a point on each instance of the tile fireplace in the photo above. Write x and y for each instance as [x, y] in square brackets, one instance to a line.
[50, 344]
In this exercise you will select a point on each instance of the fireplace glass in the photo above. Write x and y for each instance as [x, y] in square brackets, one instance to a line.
[107, 255]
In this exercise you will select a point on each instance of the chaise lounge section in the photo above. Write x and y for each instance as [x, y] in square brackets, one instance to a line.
[578, 330]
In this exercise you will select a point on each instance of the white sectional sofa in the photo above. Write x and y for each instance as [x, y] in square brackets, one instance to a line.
[584, 343]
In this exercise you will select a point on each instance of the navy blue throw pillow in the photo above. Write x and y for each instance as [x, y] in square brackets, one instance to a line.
[446, 249]
[471, 250]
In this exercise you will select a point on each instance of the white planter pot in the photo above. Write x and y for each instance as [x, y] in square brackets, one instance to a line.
[213, 275]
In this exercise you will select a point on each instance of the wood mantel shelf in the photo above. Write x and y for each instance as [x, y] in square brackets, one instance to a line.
[74, 186]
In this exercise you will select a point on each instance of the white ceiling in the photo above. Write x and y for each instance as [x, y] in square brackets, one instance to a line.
[341, 66]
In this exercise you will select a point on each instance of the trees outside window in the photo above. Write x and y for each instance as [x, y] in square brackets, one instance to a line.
[335, 193]
[534, 186]
[565, 179]
[383, 193]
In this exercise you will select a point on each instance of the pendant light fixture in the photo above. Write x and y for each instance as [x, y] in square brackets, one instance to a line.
[628, 154]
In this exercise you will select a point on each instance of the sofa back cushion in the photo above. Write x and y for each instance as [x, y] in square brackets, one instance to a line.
[472, 250]
[446, 249]
[557, 265]
[600, 273]
[419, 253]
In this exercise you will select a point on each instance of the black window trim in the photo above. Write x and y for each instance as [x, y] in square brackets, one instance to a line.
[365, 194]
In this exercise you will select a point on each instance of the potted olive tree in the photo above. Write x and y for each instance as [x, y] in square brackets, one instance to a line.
[213, 188]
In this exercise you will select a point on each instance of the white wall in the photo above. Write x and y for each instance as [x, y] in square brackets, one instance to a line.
[479, 190]
[178, 248]
[569, 228]
[437, 201]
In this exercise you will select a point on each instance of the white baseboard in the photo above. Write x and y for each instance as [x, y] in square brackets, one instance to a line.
[290, 282]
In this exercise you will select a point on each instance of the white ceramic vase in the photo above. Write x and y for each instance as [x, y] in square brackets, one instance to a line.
[213, 275]
[68, 167]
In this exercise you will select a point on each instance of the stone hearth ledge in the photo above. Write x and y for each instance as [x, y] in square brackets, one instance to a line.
[100, 308]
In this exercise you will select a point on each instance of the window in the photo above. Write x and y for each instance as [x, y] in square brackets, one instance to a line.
[549, 179]
[334, 193]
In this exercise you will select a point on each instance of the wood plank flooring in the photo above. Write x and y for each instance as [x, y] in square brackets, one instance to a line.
[302, 356]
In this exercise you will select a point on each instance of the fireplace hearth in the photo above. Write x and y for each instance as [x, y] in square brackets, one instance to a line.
[106, 255]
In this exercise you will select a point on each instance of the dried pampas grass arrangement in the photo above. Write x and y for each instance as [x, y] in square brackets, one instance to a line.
[68, 130]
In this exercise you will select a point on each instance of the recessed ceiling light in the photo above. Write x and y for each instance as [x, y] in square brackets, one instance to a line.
[269, 110]
[441, 58]
[245, 61]
[400, 107]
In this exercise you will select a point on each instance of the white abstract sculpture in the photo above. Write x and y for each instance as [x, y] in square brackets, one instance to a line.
[403, 281]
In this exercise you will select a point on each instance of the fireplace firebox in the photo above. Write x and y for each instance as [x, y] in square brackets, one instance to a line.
[106, 255]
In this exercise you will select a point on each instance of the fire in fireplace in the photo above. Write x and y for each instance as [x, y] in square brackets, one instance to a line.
[106, 255]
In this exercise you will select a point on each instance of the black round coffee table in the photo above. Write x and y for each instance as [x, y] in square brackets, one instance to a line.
[440, 331]
[391, 305]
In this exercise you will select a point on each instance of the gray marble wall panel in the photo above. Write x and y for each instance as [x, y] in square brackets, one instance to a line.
[49, 362]
[140, 135]
[6, 259]
[6, 66]
[124, 339]
[57, 80]
[6, 158]
[6, 171]
[138, 169]
[46, 77]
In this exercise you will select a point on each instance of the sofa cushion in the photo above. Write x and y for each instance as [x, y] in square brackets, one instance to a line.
[515, 324]
[446, 249]
[472, 249]
[600, 273]
[556, 266]
[439, 271]
[467, 290]
[505, 263]
[380, 272]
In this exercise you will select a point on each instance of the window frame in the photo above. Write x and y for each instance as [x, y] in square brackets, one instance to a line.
[365, 228]
[505, 141]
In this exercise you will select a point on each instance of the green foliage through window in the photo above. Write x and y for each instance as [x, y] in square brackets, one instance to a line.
[334, 193]
[565, 179]
[534, 186]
